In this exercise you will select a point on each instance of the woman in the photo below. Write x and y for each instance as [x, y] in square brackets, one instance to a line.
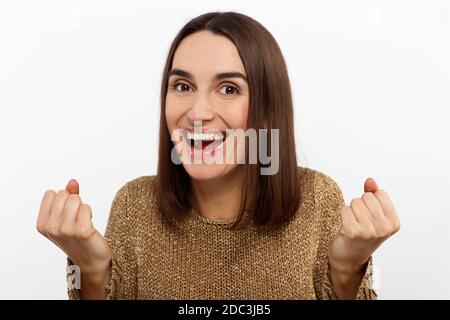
[212, 224]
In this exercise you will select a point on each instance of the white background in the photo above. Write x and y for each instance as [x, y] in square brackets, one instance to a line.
[79, 98]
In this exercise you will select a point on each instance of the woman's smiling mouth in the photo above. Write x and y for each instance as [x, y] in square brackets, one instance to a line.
[203, 141]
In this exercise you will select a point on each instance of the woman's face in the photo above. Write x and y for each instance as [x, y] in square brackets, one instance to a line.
[207, 86]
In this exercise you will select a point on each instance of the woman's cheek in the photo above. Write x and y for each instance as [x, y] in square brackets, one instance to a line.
[172, 114]
[239, 115]
[244, 115]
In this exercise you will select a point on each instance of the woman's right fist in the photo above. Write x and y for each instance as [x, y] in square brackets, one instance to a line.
[67, 222]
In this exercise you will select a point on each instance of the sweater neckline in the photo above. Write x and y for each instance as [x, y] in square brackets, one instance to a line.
[223, 222]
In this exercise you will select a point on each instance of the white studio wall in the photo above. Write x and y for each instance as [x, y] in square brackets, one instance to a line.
[79, 98]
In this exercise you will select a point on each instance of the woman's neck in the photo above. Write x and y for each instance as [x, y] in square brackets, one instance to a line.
[219, 199]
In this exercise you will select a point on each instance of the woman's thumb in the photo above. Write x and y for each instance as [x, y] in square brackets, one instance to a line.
[370, 185]
[73, 187]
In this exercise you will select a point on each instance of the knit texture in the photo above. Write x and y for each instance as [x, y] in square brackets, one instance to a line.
[199, 258]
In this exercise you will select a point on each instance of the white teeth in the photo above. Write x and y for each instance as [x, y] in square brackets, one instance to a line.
[204, 136]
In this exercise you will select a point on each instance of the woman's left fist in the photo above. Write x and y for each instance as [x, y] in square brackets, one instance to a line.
[366, 224]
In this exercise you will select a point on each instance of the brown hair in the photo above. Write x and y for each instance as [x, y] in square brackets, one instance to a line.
[269, 199]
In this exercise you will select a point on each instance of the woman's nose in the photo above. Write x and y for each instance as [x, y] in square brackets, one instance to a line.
[200, 110]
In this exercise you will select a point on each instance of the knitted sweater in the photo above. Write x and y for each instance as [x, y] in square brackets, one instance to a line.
[205, 259]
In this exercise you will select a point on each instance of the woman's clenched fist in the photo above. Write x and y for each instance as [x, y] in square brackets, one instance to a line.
[67, 221]
[366, 224]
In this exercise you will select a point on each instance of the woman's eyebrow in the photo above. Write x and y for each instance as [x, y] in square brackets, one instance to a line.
[233, 74]
[217, 77]
[180, 73]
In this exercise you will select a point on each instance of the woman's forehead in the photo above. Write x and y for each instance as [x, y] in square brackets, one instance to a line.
[205, 53]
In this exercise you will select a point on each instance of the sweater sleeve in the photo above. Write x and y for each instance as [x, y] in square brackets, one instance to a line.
[122, 284]
[329, 201]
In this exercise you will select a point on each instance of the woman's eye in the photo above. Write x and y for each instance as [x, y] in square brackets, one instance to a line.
[182, 87]
[228, 90]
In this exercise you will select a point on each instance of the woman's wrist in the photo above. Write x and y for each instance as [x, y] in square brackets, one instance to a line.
[346, 278]
[347, 268]
[93, 283]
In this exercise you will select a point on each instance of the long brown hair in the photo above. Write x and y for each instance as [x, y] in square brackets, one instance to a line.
[269, 200]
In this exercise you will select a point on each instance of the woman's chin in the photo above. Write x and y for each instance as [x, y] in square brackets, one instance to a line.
[207, 171]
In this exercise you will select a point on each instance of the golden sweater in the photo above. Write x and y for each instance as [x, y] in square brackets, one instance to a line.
[205, 259]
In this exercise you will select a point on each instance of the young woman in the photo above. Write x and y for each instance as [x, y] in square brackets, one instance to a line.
[228, 229]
